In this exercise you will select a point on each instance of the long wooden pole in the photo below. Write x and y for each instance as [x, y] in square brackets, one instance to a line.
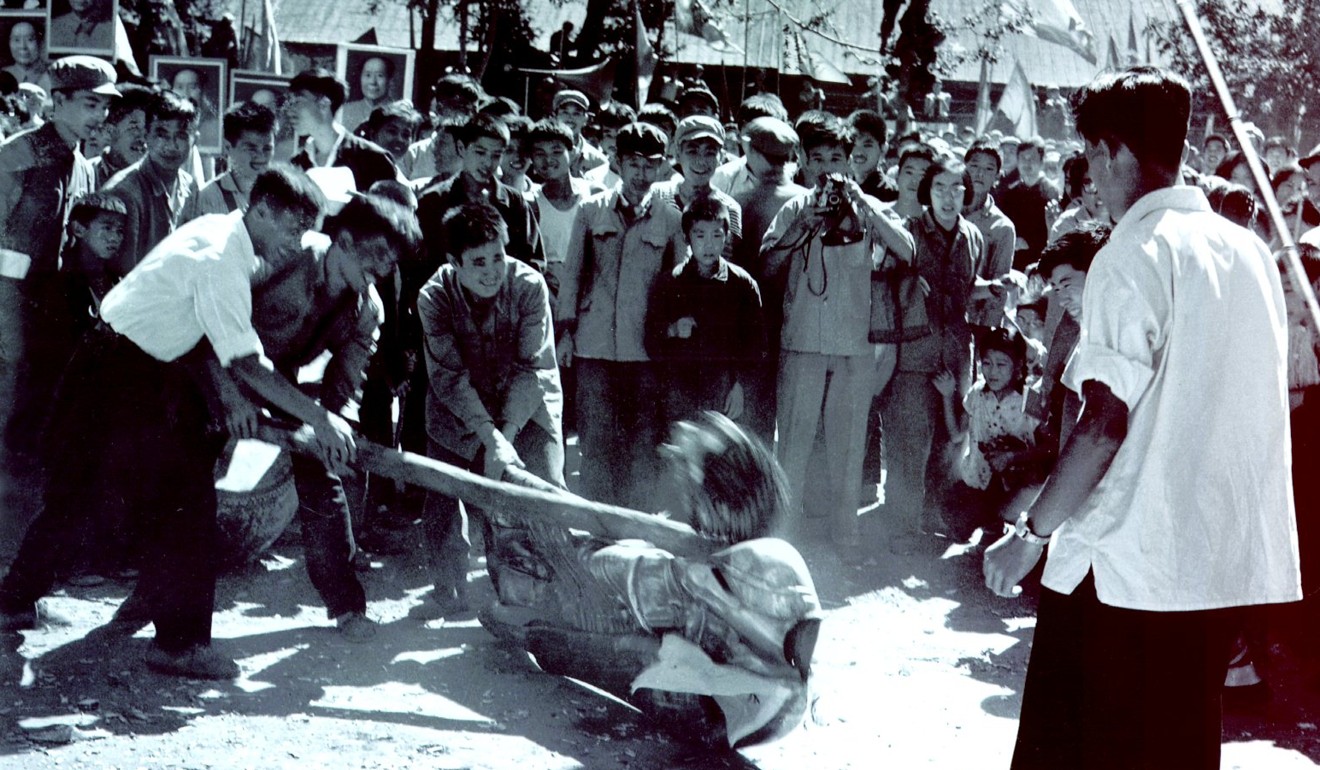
[527, 496]
[1258, 174]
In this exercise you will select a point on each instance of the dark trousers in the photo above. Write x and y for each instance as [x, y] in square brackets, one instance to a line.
[620, 425]
[327, 532]
[1109, 687]
[446, 522]
[117, 402]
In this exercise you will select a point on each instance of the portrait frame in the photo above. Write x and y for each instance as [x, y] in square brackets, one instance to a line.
[244, 84]
[62, 23]
[213, 75]
[10, 19]
[349, 60]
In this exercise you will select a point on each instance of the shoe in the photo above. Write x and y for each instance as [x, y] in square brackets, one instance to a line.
[197, 662]
[356, 626]
[39, 616]
[442, 604]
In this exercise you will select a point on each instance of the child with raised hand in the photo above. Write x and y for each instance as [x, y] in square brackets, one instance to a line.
[996, 432]
[704, 321]
[96, 236]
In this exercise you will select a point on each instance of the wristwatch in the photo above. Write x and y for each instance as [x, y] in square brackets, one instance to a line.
[1023, 531]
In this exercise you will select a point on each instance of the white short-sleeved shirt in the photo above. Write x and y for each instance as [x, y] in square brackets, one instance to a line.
[1183, 319]
[196, 283]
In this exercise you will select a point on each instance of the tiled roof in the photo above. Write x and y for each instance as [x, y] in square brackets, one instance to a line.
[758, 29]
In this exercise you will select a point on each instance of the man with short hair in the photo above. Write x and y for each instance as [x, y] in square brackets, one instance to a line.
[124, 133]
[734, 177]
[1171, 506]
[249, 130]
[1213, 151]
[393, 126]
[622, 241]
[132, 413]
[156, 189]
[41, 172]
[493, 397]
[314, 97]
[454, 98]
[983, 163]
[1031, 202]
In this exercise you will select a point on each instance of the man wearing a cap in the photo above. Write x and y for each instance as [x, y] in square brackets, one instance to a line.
[41, 171]
[622, 240]
[698, 100]
[770, 145]
[698, 141]
[573, 109]
[734, 177]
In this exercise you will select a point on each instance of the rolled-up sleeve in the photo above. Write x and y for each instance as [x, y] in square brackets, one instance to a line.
[222, 297]
[350, 354]
[1125, 313]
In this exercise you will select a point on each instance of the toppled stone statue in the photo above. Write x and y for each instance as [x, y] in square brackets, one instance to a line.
[715, 645]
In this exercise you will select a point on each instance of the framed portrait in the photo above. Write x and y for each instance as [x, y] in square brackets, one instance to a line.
[375, 75]
[23, 46]
[256, 86]
[82, 26]
[203, 82]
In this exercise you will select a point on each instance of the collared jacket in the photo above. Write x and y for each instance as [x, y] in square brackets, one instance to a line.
[153, 212]
[610, 270]
[947, 262]
[39, 175]
[488, 364]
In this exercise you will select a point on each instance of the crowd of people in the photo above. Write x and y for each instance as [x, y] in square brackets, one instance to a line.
[486, 283]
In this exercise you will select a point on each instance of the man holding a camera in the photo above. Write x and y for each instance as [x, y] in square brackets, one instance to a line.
[821, 249]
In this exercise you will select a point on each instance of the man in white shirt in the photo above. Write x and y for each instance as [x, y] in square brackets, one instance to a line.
[1172, 502]
[133, 413]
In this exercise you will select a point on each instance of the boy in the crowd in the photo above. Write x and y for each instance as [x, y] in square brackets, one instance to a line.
[41, 171]
[705, 323]
[132, 413]
[249, 132]
[492, 392]
[517, 157]
[698, 100]
[454, 99]
[827, 364]
[124, 133]
[697, 147]
[96, 236]
[550, 146]
[574, 110]
[156, 189]
[982, 160]
[868, 155]
[770, 145]
[609, 119]
[622, 241]
[393, 127]
[1031, 202]
[315, 95]
[1213, 152]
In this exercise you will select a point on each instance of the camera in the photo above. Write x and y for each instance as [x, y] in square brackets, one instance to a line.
[833, 194]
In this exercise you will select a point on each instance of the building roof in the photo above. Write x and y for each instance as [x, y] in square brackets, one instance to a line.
[757, 27]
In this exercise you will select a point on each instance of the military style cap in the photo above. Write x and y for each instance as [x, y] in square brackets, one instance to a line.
[698, 127]
[771, 137]
[83, 73]
[569, 96]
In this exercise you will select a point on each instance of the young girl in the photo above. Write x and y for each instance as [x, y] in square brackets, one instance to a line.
[996, 433]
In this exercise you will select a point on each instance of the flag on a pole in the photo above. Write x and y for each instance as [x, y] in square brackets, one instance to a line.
[692, 18]
[124, 49]
[1055, 21]
[1133, 54]
[983, 111]
[1018, 103]
[799, 59]
[645, 56]
[271, 60]
[1112, 62]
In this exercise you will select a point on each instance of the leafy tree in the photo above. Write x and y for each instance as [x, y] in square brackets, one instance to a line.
[1270, 60]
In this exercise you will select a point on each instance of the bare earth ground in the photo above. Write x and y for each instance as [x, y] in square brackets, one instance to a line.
[918, 666]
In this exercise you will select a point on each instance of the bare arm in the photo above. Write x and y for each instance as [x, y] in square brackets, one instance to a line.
[1084, 460]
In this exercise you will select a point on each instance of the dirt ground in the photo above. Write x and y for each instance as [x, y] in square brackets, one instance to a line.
[918, 666]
